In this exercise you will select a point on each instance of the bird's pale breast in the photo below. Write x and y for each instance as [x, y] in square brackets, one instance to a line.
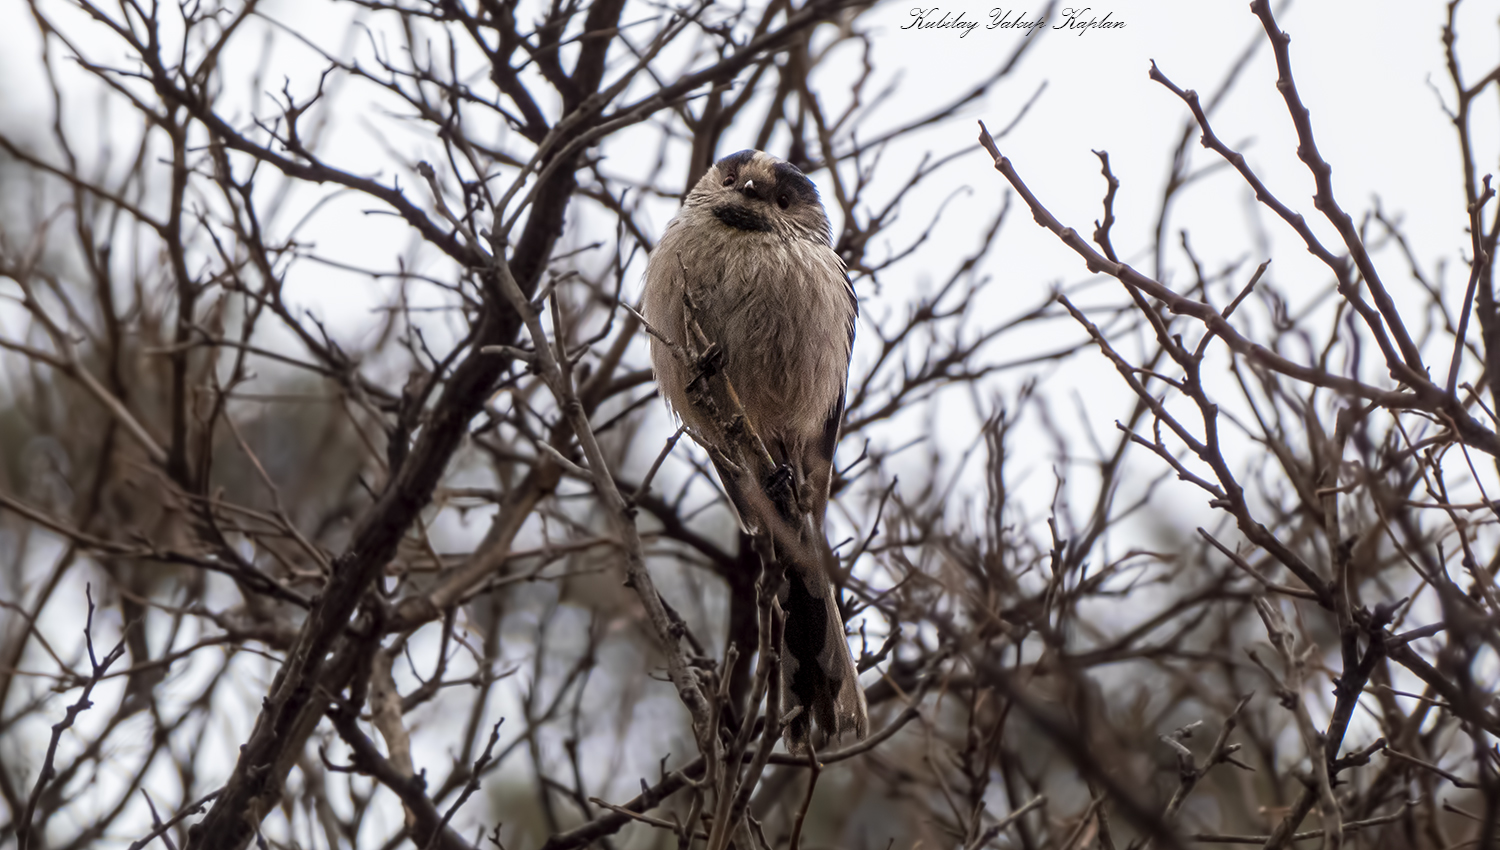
[779, 308]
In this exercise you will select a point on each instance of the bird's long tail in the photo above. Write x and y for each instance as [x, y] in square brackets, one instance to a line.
[818, 669]
[820, 674]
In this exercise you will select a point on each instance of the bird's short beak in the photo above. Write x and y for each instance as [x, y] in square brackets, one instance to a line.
[748, 190]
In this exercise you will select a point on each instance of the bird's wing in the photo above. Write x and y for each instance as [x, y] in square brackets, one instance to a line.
[836, 415]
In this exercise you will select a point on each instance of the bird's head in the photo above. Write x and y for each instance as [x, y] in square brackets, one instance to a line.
[755, 191]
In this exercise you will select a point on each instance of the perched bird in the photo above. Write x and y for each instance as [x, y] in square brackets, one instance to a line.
[753, 248]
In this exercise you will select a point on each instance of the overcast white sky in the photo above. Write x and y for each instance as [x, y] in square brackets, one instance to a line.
[1371, 72]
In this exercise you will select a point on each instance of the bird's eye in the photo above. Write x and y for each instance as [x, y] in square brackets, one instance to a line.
[729, 180]
[783, 201]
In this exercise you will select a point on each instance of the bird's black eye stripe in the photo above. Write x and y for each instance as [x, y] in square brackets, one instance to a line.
[794, 185]
[731, 165]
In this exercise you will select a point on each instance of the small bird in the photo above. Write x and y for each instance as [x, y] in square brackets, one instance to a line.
[753, 247]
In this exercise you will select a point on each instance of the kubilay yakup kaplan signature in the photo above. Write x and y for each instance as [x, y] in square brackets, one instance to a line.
[1074, 19]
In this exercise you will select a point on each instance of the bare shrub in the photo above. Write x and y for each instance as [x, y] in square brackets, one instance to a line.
[337, 507]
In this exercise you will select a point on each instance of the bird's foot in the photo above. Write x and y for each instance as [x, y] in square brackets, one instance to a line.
[781, 487]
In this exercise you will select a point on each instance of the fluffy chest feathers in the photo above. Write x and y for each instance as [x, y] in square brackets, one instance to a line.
[781, 310]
